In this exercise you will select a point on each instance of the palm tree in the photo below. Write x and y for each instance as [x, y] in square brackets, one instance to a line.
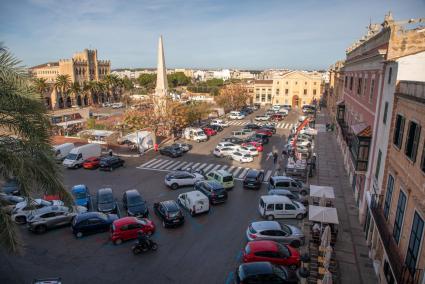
[111, 82]
[63, 83]
[25, 151]
[41, 87]
[75, 90]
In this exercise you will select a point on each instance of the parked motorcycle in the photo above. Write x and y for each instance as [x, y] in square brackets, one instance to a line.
[144, 247]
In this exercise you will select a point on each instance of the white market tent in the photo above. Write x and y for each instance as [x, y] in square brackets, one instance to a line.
[322, 191]
[321, 214]
[142, 138]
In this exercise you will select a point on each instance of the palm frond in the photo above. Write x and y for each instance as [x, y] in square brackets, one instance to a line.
[10, 70]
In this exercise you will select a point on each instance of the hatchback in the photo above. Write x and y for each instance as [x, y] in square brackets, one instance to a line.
[241, 157]
[170, 213]
[257, 145]
[209, 131]
[171, 151]
[260, 137]
[105, 201]
[274, 231]
[91, 223]
[223, 151]
[213, 190]
[252, 126]
[127, 228]
[110, 163]
[91, 163]
[134, 204]
[273, 252]
[264, 272]
[253, 179]
[265, 131]
[81, 195]
[222, 177]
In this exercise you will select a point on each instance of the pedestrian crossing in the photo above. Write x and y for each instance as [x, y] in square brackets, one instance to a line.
[166, 165]
[280, 125]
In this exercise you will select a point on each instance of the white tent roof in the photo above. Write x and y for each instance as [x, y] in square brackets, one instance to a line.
[132, 137]
[322, 214]
[320, 191]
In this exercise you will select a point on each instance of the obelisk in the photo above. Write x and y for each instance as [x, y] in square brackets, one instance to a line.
[161, 89]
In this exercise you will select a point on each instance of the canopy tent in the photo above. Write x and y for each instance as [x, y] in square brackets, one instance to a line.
[321, 214]
[322, 191]
[141, 138]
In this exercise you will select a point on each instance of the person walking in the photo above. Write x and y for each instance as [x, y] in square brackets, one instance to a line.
[269, 155]
[110, 152]
[275, 156]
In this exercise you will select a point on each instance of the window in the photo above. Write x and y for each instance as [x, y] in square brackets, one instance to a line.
[289, 207]
[269, 97]
[305, 91]
[423, 159]
[390, 74]
[263, 97]
[286, 91]
[364, 87]
[345, 82]
[270, 206]
[279, 206]
[378, 164]
[398, 222]
[412, 140]
[351, 83]
[296, 83]
[277, 91]
[385, 113]
[314, 91]
[305, 83]
[286, 82]
[388, 196]
[314, 83]
[414, 242]
[398, 132]
[257, 97]
[359, 86]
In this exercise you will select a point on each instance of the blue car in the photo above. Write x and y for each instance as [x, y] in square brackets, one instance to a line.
[81, 195]
[92, 222]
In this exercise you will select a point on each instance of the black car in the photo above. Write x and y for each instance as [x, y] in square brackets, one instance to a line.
[110, 163]
[213, 190]
[253, 179]
[92, 222]
[105, 201]
[264, 272]
[258, 137]
[11, 187]
[252, 126]
[269, 127]
[217, 128]
[185, 147]
[172, 152]
[234, 140]
[170, 213]
[134, 204]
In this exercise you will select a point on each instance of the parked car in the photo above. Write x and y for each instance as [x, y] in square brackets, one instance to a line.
[92, 222]
[242, 134]
[228, 145]
[234, 140]
[184, 147]
[23, 209]
[171, 151]
[272, 252]
[43, 219]
[105, 201]
[223, 177]
[81, 195]
[91, 163]
[277, 117]
[264, 272]
[284, 182]
[291, 195]
[134, 203]
[109, 163]
[11, 187]
[117, 105]
[223, 151]
[279, 206]
[209, 131]
[219, 122]
[288, 107]
[213, 190]
[265, 131]
[309, 131]
[169, 212]
[270, 127]
[257, 145]
[253, 179]
[177, 179]
[217, 128]
[194, 201]
[249, 149]
[241, 157]
[272, 230]
[252, 126]
[194, 134]
[236, 115]
[8, 199]
[127, 228]
[262, 117]
[259, 137]
[78, 155]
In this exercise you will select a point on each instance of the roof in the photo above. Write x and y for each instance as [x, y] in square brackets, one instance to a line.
[132, 192]
[195, 193]
[322, 214]
[87, 215]
[274, 198]
[252, 173]
[322, 191]
[79, 187]
[266, 225]
[106, 189]
[254, 268]
[223, 173]
[362, 129]
[170, 204]
[263, 82]
[263, 246]
[50, 64]
[125, 220]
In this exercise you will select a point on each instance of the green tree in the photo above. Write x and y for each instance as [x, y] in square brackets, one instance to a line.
[177, 79]
[40, 86]
[74, 90]
[63, 83]
[147, 81]
[25, 150]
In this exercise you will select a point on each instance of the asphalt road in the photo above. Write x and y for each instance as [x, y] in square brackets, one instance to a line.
[207, 248]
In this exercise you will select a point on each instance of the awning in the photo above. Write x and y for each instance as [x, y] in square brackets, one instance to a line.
[69, 123]
[321, 214]
[322, 191]
[361, 129]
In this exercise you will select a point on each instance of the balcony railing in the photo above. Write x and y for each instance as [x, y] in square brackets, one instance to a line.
[401, 272]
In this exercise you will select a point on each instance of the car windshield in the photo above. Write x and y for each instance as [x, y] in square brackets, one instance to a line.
[135, 200]
[71, 156]
[295, 204]
[173, 213]
[105, 198]
[227, 178]
[200, 133]
[80, 195]
[280, 272]
[283, 250]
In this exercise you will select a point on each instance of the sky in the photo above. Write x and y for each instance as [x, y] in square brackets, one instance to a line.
[244, 34]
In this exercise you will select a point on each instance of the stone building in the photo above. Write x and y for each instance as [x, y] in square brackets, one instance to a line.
[334, 89]
[82, 67]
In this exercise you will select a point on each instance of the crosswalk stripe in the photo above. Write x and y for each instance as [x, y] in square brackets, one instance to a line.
[195, 165]
[173, 165]
[189, 165]
[231, 169]
[156, 163]
[201, 166]
[209, 166]
[166, 164]
[178, 166]
[159, 164]
[223, 167]
[216, 167]
[147, 163]
[237, 171]
[267, 176]
[280, 125]
[243, 173]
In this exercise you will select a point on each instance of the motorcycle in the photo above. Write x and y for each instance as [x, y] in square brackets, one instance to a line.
[148, 245]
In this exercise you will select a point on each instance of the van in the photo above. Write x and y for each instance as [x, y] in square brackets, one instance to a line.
[62, 150]
[276, 108]
[288, 183]
[244, 133]
[194, 201]
[223, 177]
[276, 206]
[194, 134]
[77, 155]
[236, 115]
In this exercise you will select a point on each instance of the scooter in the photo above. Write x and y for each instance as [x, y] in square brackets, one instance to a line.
[146, 246]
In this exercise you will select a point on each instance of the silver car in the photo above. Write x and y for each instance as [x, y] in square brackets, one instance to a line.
[21, 211]
[272, 230]
[182, 178]
[49, 217]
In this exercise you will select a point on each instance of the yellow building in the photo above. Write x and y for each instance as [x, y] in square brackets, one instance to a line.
[82, 67]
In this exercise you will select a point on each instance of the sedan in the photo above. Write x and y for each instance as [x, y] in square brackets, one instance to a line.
[105, 201]
[273, 252]
[23, 209]
[270, 127]
[134, 204]
[259, 137]
[234, 140]
[91, 163]
[209, 131]
[110, 163]
[251, 150]
[171, 152]
[185, 147]
[262, 118]
[223, 151]
[92, 222]
[170, 213]
[241, 157]
[257, 145]
[265, 131]
[217, 128]
[272, 230]
[252, 126]
[177, 179]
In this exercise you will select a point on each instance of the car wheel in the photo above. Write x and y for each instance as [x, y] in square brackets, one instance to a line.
[299, 216]
[270, 217]
[154, 247]
[117, 242]
[174, 186]
[21, 219]
[295, 244]
[79, 234]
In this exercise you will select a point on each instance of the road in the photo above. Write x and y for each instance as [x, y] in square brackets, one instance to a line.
[206, 249]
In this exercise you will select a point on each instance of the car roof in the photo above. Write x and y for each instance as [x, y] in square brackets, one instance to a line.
[252, 173]
[125, 221]
[265, 245]
[223, 172]
[280, 178]
[170, 204]
[88, 215]
[79, 187]
[195, 194]
[132, 192]
[105, 190]
[281, 191]
[275, 198]
[266, 225]
[213, 184]
[254, 268]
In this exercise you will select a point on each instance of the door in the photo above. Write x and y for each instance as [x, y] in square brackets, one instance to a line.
[188, 179]
[184, 201]
[279, 211]
[290, 211]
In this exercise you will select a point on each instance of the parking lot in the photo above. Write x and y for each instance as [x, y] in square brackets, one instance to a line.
[207, 248]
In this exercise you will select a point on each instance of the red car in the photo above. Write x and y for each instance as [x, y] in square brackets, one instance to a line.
[257, 145]
[273, 252]
[277, 117]
[91, 163]
[264, 131]
[209, 131]
[126, 228]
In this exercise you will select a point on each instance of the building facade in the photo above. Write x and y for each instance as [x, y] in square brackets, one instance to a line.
[334, 93]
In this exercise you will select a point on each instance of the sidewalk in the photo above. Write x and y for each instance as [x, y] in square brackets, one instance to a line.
[351, 250]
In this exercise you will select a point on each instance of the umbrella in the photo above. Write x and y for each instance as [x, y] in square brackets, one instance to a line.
[326, 237]
[322, 201]
[327, 279]
[322, 214]
[320, 190]
[328, 256]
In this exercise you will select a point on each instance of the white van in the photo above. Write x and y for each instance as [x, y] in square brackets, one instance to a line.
[194, 201]
[62, 150]
[77, 155]
[276, 108]
[219, 122]
[194, 134]
[278, 206]
[236, 115]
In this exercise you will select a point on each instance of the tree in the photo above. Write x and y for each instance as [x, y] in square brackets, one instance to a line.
[40, 86]
[63, 83]
[147, 81]
[112, 83]
[197, 111]
[232, 97]
[25, 151]
[128, 88]
[74, 90]
[178, 79]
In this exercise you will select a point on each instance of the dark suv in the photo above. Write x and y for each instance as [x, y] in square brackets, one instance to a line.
[170, 213]
[213, 190]
[135, 204]
[264, 272]
[105, 201]
[234, 140]
[110, 162]
[253, 179]
[171, 151]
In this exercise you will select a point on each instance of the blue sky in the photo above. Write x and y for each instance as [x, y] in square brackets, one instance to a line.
[295, 34]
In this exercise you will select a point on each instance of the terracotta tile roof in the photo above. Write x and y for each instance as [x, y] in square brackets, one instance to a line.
[362, 130]
[263, 82]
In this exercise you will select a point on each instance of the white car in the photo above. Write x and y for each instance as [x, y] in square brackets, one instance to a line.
[219, 122]
[194, 201]
[117, 105]
[20, 214]
[309, 131]
[236, 115]
[223, 151]
[228, 145]
[249, 149]
[182, 178]
[262, 118]
[300, 142]
[106, 104]
[301, 118]
[241, 157]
